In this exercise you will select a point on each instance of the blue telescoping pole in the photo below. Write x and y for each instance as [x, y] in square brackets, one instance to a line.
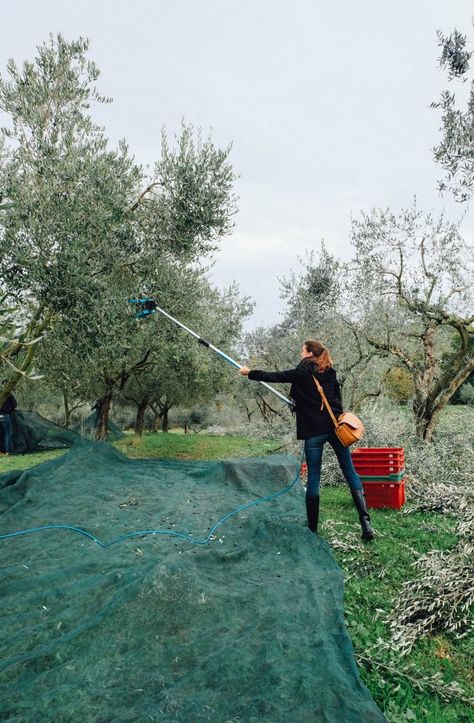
[153, 308]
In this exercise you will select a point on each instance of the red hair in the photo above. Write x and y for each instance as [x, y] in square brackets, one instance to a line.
[321, 355]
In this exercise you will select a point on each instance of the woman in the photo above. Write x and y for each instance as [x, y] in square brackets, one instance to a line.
[6, 410]
[314, 425]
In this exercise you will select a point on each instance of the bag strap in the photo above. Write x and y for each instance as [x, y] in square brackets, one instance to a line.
[325, 401]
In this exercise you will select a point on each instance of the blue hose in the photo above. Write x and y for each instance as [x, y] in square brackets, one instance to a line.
[142, 533]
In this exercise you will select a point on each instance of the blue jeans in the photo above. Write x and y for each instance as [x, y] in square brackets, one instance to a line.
[313, 448]
[6, 433]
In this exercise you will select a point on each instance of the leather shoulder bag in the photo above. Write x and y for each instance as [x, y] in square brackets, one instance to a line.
[349, 429]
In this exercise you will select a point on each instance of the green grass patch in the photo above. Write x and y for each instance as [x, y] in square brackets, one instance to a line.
[194, 446]
[26, 461]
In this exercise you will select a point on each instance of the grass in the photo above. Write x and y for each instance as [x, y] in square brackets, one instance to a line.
[26, 461]
[373, 578]
[193, 446]
[373, 575]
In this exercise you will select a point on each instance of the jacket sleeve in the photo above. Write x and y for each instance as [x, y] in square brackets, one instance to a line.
[288, 375]
[338, 393]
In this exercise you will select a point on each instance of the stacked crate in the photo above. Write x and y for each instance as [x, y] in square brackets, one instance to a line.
[382, 472]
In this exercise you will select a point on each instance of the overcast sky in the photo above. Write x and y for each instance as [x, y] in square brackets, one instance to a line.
[327, 106]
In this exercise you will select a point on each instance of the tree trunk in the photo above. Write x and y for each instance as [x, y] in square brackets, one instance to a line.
[425, 424]
[421, 425]
[155, 427]
[430, 400]
[67, 411]
[140, 418]
[15, 351]
[422, 414]
[164, 419]
[103, 414]
[431, 425]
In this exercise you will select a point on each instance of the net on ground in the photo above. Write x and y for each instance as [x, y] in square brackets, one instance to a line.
[247, 628]
[88, 428]
[33, 433]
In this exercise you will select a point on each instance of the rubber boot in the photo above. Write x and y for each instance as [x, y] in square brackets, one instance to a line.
[359, 501]
[312, 511]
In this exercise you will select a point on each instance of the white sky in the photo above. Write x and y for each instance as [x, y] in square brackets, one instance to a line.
[326, 104]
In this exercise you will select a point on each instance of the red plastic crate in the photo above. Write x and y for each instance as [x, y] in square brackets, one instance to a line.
[382, 452]
[385, 494]
[378, 470]
[378, 461]
[363, 459]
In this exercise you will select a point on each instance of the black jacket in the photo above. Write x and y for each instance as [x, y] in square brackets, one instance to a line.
[310, 419]
[8, 405]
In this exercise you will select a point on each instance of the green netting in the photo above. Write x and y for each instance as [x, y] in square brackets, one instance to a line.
[247, 628]
[33, 433]
[88, 428]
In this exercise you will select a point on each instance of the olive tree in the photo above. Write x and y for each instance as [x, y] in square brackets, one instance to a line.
[413, 280]
[414, 272]
[82, 226]
[65, 197]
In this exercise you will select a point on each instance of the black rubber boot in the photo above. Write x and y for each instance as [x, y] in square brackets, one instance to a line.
[359, 501]
[312, 511]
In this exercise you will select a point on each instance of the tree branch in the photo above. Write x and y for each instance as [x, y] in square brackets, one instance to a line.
[387, 348]
[142, 195]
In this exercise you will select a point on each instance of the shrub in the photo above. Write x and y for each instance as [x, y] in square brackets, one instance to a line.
[399, 385]
[466, 394]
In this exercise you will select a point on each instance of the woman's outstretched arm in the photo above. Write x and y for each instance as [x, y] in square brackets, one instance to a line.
[285, 376]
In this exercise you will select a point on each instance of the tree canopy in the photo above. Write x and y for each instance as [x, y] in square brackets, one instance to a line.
[83, 226]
